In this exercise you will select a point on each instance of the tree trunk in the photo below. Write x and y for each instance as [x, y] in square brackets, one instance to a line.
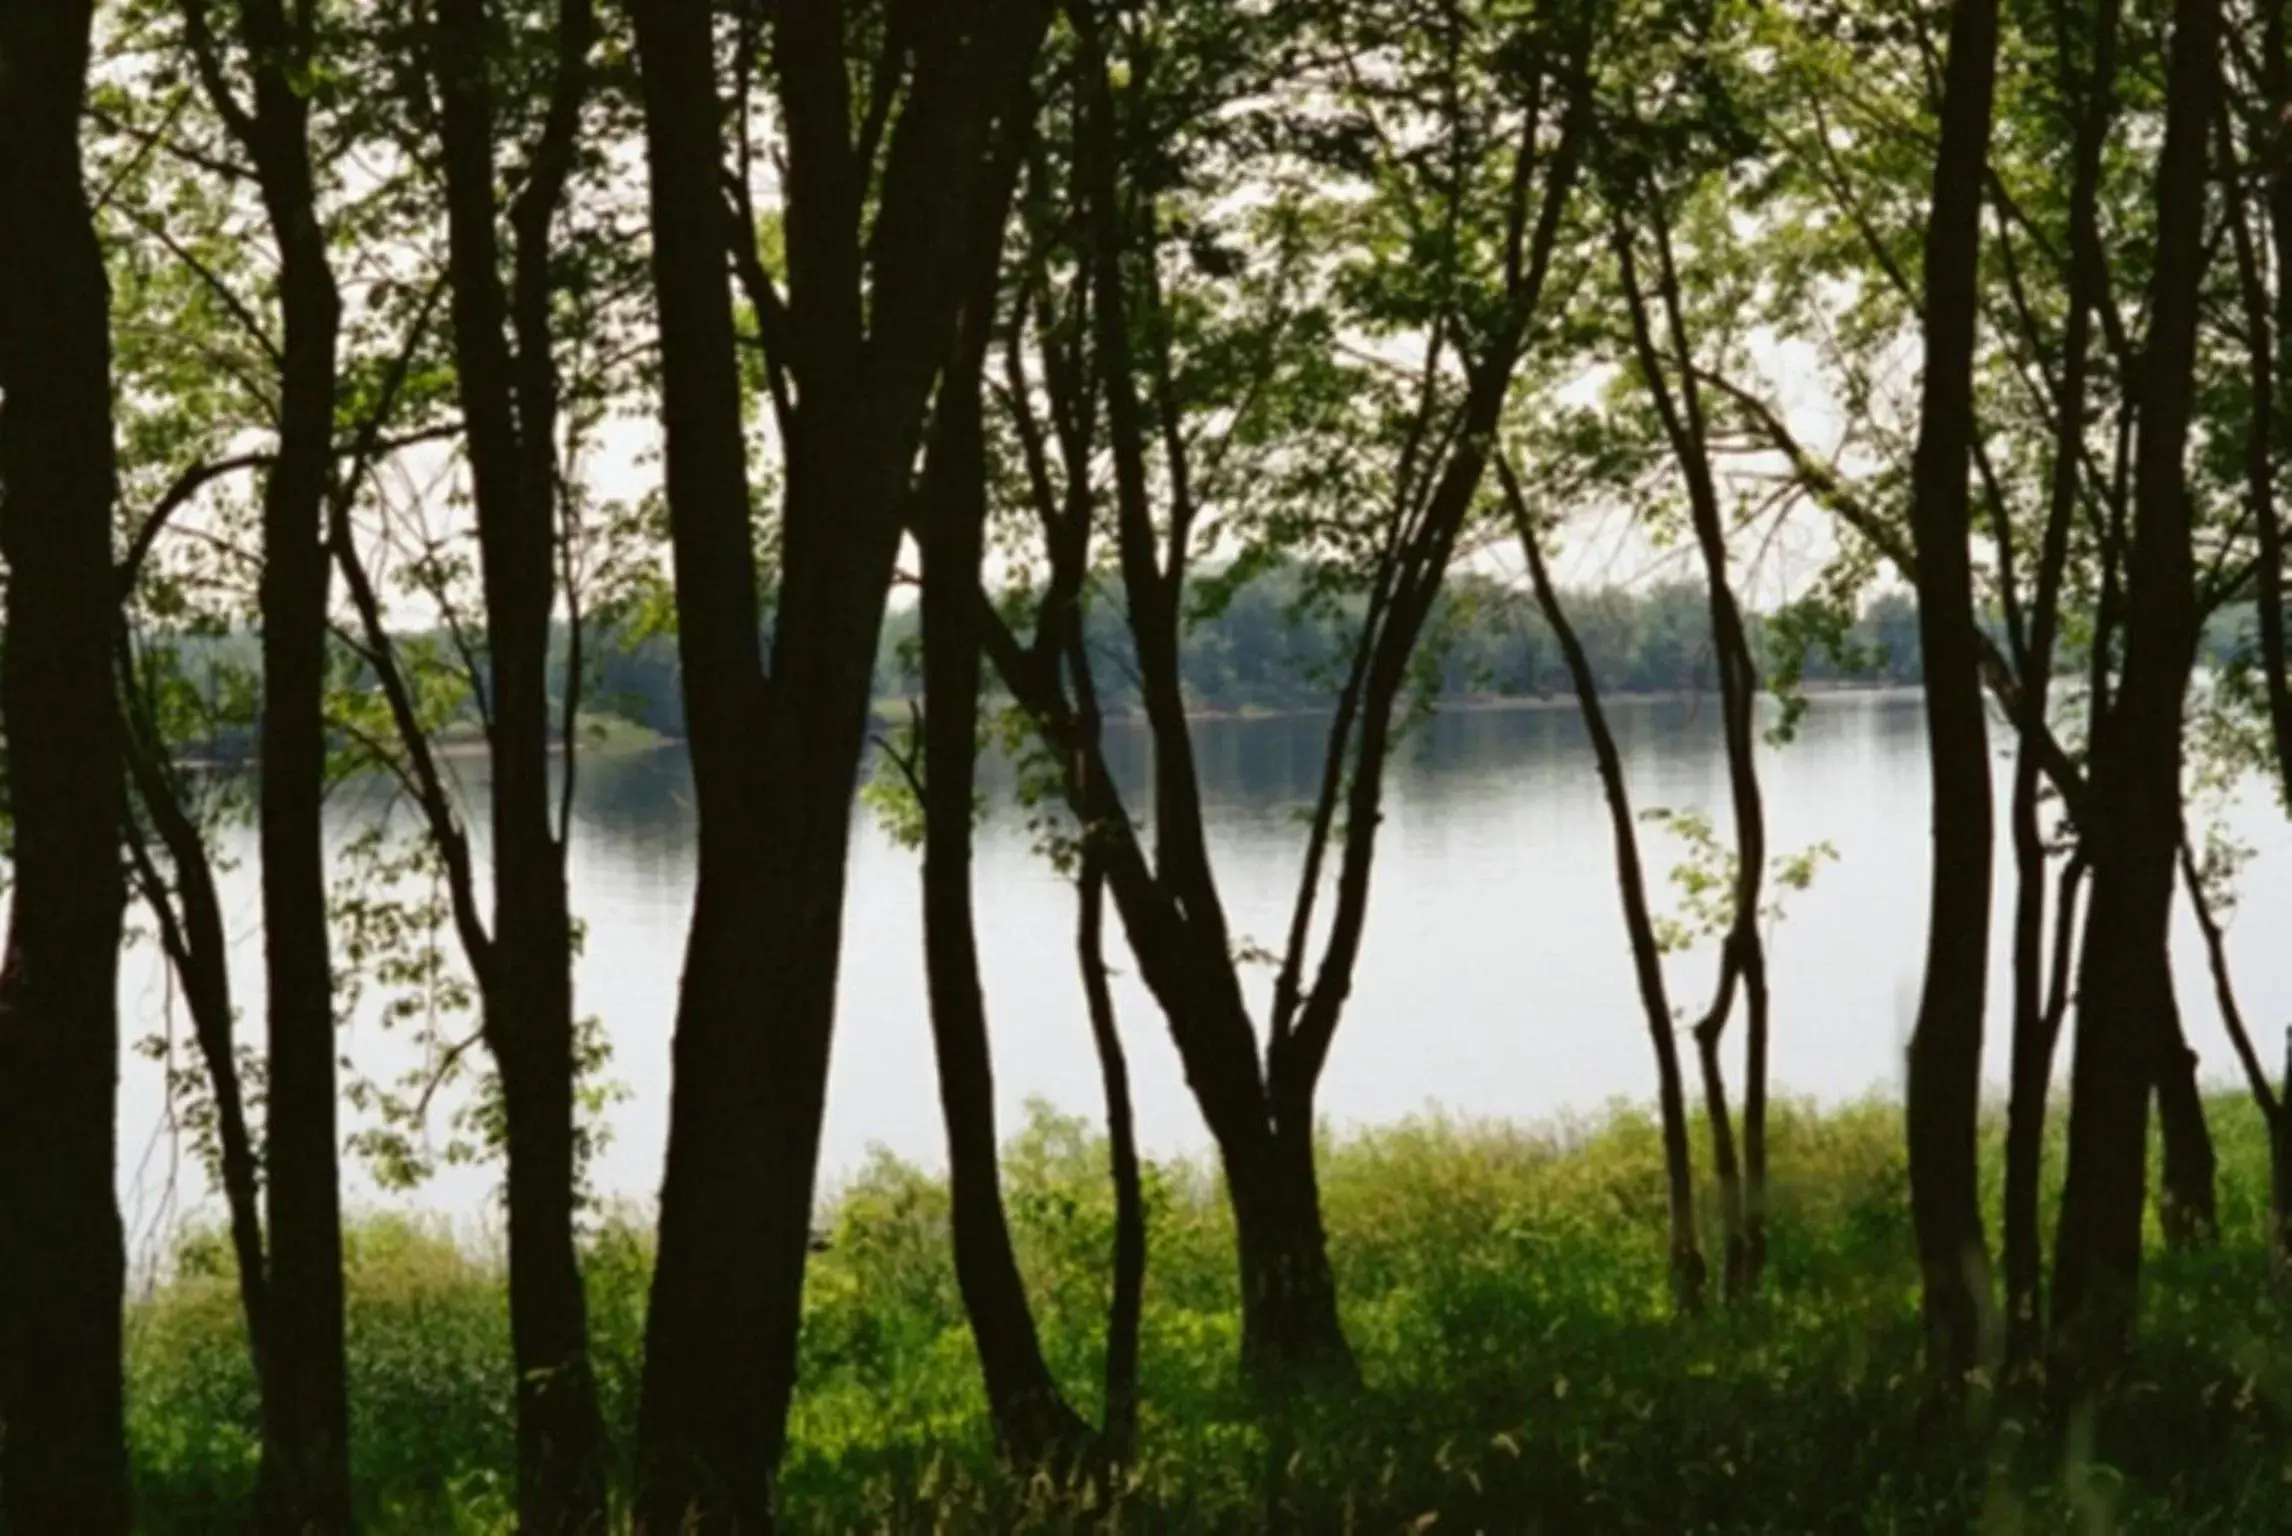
[509, 407]
[870, 311]
[307, 1470]
[1945, 1068]
[2125, 992]
[707, 1437]
[1127, 1305]
[1734, 1270]
[1674, 387]
[63, 1458]
[194, 939]
[1291, 1333]
[1688, 1272]
[2188, 1209]
[1033, 1420]
[2280, 1173]
[2033, 1053]
[2041, 993]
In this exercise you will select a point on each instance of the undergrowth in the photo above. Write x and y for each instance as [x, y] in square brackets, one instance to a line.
[1504, 1290]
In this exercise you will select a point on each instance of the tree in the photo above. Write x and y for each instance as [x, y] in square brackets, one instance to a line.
[63, 1454]
[506, 374]
[2126, 1017]
[1032, 1417]
[1184, 346]
[307, 1462]
[1945, 1079]
[873, 284]
[1689, 1273]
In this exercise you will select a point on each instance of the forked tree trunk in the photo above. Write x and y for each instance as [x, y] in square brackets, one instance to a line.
[63, 1454]
[1688, 1271]
[870, 310]
[2125, 993]
[1674, 385]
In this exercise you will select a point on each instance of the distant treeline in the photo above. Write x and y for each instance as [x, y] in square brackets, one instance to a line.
[1264, 647]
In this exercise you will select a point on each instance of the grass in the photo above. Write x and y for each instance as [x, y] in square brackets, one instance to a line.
[1504, 1290]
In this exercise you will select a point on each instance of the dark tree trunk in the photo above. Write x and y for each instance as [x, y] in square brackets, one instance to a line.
[197, 946]
[1033, 1420]
[869, 322]
[2033, 1053]
[509, 408]
[1944, 1098]
[1126, 1307]
[306, 1476]
[707, 1436]
[1688, 1271]
[2280, 1173]
[63, 1459]
[1674, 386]
[1726, 1170]
[2188, 1209]
[1291, 1333]
[2039, 991]
[2125, 997]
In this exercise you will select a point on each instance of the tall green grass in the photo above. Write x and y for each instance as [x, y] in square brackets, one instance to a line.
[1504, 1289]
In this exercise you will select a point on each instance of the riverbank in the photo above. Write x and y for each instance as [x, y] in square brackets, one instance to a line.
[1504, 1290]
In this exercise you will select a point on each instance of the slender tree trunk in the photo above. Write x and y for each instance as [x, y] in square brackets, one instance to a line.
[1688, 1272]
[63, 1459]
[306, 1482]
[196, 945]
[1944, 1098]
[2033, 1053]
[1033, 1420]
[2038, 1003]
[2280, 1173]
[1127, 1305]
[2125, 994]
[1734, 1271]
[1757, 1011]
[509, 407]
[1674, 387]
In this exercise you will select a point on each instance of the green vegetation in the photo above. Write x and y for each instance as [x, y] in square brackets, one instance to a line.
[1504, 1289]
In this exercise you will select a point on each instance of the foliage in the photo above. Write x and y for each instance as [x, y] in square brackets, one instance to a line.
[1506, 1291]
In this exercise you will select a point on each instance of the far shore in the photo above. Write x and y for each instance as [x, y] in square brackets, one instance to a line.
[610, 735]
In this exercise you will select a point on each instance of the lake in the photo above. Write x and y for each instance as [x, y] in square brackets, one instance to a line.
[1495, 980]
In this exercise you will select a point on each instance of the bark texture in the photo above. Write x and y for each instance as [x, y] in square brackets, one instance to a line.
[63, 1456]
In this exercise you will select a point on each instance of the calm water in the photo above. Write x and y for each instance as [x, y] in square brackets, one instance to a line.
[1495, 979]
